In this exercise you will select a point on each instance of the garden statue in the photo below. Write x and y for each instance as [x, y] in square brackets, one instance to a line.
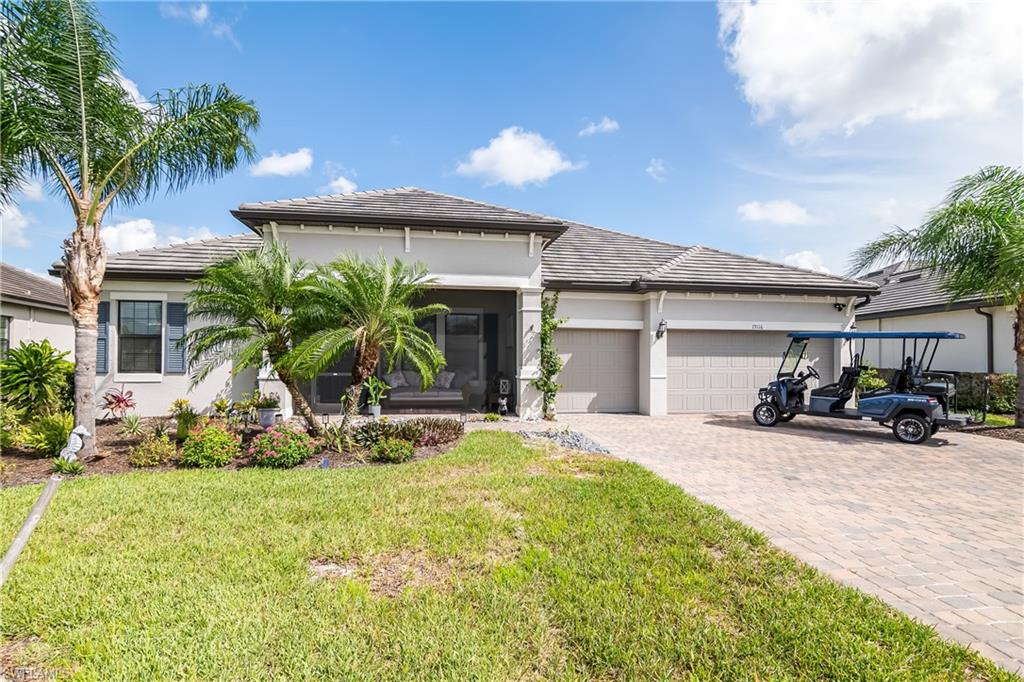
[75, 443]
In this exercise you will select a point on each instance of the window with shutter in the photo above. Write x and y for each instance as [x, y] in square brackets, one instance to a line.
[177, 317]
[102, 324]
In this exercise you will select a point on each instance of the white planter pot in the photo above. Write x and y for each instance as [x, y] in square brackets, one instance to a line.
[267, 417]
[374, 411]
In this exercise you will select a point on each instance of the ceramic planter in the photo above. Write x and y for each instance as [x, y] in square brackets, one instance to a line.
[267, 416]
[375, 411]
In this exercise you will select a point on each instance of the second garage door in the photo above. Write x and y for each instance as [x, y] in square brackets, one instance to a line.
[711, 371]
[601, 370]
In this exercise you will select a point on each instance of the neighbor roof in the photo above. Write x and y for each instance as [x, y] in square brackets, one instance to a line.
[26, 288]
[577, 257]
[401, 206]
[913, 291]
[186, 260]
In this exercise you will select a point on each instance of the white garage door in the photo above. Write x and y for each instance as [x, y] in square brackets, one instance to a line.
[601, 370]
[712, 371]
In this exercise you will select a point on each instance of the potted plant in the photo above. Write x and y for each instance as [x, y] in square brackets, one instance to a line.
[267, 405]
[375, 392]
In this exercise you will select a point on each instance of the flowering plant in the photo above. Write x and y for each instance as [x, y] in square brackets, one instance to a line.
[280, 447]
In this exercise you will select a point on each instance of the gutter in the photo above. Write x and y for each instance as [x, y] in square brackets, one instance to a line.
[861, 304]
[989, 345]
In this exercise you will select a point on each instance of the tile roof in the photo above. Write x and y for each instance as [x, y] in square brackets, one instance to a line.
[580, 256]
[398, 206]
[178, 261]
[911, 289]
[21, 286]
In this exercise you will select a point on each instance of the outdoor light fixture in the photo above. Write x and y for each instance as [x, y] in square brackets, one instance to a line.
[462, 417]
[326, 419]
[662, 328]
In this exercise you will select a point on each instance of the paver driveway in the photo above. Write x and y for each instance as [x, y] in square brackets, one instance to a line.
[936, 530]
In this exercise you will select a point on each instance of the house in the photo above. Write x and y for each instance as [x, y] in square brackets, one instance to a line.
[911, 299]
[33, 308]
[650, 327]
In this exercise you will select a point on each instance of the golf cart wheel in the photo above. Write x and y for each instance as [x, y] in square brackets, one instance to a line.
[911, 428]
[935, 429]
[766, 414]
[788, 417]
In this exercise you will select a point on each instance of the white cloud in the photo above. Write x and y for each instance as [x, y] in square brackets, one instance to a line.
[342, 185]
[657, 170]
[516, 157]
[605, 125]
[200, 15]
[295, 163]
[142, 233]
[808, 260]
[32, 190]
[780, 212]
[132, 89]
[823, 67]
[13, 224]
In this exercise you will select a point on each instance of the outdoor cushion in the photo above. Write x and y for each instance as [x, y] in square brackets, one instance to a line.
[444, 380]
[459, 380]
[395, 380]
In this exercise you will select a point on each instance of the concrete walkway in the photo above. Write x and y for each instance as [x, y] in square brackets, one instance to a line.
[935, 530]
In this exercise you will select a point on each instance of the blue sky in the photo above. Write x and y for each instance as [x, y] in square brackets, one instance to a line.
[794, 134]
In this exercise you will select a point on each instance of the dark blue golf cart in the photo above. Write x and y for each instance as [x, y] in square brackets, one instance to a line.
[915, 403]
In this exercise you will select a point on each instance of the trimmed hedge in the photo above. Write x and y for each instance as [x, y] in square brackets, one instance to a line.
[1002, 396]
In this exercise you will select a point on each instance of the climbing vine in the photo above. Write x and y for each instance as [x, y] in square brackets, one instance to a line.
[550, 363]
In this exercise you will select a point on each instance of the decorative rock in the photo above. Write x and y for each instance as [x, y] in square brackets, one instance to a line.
[569, 439]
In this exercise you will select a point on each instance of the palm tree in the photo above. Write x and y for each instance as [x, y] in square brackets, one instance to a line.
[975, 238]
[66, 117]
[243, 306]
[366, 307]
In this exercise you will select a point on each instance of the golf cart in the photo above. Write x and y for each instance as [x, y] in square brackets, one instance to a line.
[915, 403]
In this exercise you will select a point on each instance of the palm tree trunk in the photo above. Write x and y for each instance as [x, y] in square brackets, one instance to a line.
[1018, 345]
[299, 403]
[85, 262]
[363, 366]
[350, 406]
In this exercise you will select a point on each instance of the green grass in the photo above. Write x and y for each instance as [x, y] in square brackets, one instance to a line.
[999, 420]
[540, 567]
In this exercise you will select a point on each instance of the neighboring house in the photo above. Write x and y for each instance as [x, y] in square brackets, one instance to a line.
[33, 308]
[650, 327]
[912, 299]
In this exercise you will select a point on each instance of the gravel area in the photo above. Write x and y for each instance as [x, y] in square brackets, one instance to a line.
[568, 439]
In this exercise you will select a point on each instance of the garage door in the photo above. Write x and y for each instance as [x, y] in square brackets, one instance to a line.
[601, 370]
[713, 371]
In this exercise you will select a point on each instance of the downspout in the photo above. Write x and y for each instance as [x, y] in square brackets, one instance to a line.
[989, 347]
[861, 304]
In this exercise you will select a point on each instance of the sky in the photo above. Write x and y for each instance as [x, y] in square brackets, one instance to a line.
[790, 131]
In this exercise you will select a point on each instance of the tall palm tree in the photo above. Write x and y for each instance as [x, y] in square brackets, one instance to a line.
[975, 238]
[66, 117]
[367, 307]
[244, 307]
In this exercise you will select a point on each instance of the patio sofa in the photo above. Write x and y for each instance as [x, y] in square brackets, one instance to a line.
[462, 392]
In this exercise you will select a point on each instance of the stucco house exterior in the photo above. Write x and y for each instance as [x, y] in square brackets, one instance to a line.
[33, 308]
[650, 327]
[911, 299]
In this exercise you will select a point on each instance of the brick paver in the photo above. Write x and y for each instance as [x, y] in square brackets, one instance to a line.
[935, 530]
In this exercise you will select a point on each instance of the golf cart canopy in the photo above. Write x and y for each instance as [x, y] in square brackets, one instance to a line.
[876, 335]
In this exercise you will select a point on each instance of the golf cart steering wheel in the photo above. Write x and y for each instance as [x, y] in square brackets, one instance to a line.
[811, 372]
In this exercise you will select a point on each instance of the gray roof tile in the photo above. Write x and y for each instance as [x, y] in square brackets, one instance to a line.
[184, 260]
[17, 285]
[910, 290]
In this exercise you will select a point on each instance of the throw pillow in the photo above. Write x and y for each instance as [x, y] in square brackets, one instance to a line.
[395, 380]
[444, 379]
[460, 380]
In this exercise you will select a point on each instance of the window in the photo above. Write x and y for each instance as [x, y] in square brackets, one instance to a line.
[5, 334]
[139, 336]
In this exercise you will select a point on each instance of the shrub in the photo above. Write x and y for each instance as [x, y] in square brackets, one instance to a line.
[131, 425]
[12, 432]
[186, 419]
[1002, 396]
[336, 438]
[391, 450]
[118, 402]
[369, 433]
[869, 380]
[181, 406]
[209, 448]
[221, 407]
[67, 467]
[438, 430]
[410, 429]
[6, 469]
[35, 377]
[492, 417]
[152, 451]
[281, 447]
[49, 433]
[266, 401]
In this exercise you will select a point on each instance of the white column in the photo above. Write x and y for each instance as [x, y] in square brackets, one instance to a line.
[653, 360]
[528, 398]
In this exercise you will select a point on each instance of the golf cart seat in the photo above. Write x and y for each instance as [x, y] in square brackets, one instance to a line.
[833, 397]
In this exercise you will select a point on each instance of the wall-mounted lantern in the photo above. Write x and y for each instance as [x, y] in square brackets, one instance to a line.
[662, 328]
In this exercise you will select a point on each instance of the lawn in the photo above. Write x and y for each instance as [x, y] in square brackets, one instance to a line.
[493, 561]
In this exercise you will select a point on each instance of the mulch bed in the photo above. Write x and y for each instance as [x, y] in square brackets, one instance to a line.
[1001, 432]
[113, 448]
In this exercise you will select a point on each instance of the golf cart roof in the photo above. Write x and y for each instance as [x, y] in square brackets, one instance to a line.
[876, 335]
